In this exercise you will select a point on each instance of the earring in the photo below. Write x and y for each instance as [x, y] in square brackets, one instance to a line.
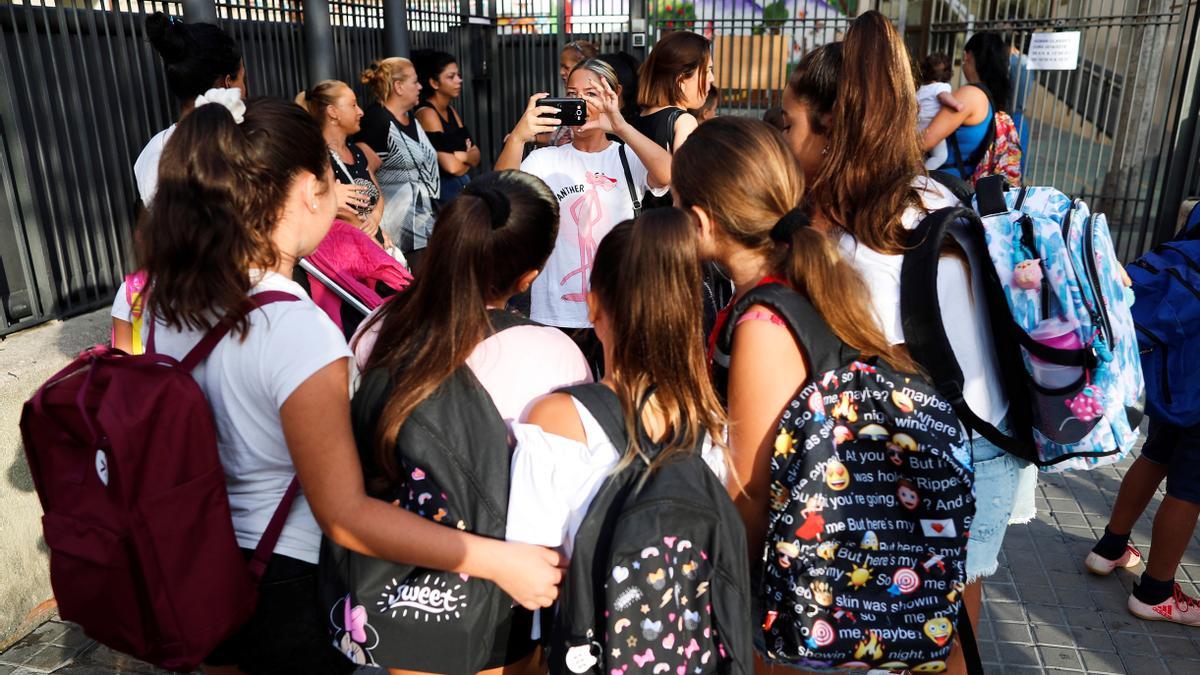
[825, 150]
[314, 206]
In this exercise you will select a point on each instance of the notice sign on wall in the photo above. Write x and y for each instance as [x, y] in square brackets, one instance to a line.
[1054, 51]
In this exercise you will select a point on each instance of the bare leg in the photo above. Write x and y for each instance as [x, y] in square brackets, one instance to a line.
[1173, 527]
[956, 664]
[1137, 489]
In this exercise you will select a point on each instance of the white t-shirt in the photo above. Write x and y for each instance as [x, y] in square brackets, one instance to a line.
[246, 383]
[966, 320]
[121, 309]
[928, 105]
[145, 169]
[555, 479]
[593, 198]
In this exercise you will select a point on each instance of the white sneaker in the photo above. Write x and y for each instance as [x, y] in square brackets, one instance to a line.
[1179, 608]
[1098, 564]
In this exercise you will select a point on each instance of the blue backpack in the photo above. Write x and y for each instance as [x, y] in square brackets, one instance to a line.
[1060, 313]
[1166, 282]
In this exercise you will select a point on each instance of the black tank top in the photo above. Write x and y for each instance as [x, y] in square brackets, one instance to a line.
[452, 138]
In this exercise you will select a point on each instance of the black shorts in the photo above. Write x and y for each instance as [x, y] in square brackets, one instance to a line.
[1178, 449]
[288, 632]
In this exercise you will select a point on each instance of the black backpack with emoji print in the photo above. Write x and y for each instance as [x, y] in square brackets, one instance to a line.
[864, 562]
[658, 581]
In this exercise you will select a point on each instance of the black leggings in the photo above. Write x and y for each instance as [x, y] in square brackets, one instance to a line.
[288, 632]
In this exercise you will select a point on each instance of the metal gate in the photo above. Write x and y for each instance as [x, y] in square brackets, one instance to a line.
[1108, 130]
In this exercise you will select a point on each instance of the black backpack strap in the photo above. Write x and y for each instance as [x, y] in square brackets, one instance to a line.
[672, 118]
[578, 609]
[968, 644]
[502, 319]
[823, 350]
[925, 333]
[605, 406]
[958, 187]
[989, 139]
[637, 202]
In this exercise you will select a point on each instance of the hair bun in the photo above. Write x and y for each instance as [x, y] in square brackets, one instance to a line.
[168, 36]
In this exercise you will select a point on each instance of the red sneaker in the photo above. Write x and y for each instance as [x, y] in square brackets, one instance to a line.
[1098, 564]
[1179, 608]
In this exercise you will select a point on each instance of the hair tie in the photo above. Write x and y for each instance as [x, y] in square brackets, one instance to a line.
[787, 225]
[497, 204]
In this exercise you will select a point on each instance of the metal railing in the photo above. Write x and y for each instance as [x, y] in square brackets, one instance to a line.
[81, 91]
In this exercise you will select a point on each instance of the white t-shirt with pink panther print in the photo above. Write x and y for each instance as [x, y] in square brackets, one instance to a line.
[593, 198]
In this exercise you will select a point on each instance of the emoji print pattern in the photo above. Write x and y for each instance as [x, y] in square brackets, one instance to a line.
[660, 618]
[871, 504]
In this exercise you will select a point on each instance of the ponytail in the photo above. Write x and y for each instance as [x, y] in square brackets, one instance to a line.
[759, 186]
[866, 91]
[221, 188]
[647, 279]
[502, 226]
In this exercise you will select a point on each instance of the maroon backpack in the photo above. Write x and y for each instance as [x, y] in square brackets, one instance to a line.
[123, 453]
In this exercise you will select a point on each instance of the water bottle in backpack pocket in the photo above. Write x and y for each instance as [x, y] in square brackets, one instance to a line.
[1166, 282]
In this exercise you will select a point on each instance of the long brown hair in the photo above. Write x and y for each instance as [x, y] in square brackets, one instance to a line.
[647, 281]
[502, 225]
[676, 56]
[759, 183]
[865, 87]
[221, 189]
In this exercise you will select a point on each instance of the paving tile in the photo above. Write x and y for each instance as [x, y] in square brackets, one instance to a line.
[1101, 662]
[1016, 633]
[51, 659]
[1170, 647]
[1059, 657]
[1045, 635]
[1018, 655]
[1093, 638]
[1144, 665]
[21, 652]
[1134, 643]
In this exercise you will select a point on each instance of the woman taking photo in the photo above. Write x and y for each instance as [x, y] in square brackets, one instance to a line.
[850, 119]
[596, 181]
[441, 84]
[489, 244]
[408, 176]
[572, 54]
[985, 65]
[277, 382]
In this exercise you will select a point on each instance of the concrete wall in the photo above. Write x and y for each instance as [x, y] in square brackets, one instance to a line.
[27, 359]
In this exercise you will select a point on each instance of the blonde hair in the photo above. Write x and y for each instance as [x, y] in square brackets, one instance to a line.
[380, 75]
[758, 184]
[600, 69]
[316, 98]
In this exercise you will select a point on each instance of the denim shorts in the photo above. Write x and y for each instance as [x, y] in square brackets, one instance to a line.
[1004, 489]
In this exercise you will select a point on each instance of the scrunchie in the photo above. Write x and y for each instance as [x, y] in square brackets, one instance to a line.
[787, 225]
[230, 98]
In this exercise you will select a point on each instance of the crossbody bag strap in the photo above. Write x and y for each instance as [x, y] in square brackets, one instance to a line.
[637, 203]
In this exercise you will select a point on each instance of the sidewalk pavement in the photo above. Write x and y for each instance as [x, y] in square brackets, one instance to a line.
[1043, 613]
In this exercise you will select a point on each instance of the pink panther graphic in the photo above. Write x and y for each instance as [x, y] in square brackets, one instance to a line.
[588, 212]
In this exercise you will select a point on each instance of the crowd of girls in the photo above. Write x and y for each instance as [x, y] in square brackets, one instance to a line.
[245, 190]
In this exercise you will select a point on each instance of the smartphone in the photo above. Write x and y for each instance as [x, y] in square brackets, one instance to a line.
[572, 112]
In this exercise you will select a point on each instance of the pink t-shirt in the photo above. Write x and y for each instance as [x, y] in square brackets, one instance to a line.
[516, 366]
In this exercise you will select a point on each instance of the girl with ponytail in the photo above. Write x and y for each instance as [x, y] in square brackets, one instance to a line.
[489, 244]
[750, 225]
[239, 201]
[850, 120]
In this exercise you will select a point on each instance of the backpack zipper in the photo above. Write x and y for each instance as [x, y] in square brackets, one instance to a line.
[1162, 364]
